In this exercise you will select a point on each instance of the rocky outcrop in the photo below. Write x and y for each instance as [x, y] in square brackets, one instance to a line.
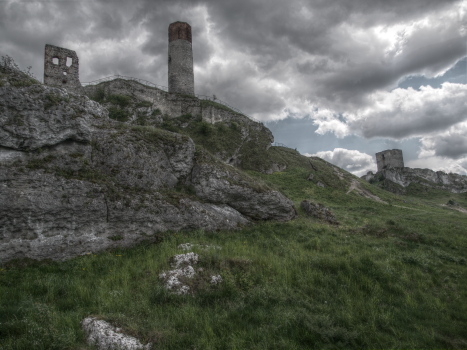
[74, 181]
[223, 184]
[397, 179]
[244, 141]
[319, 211]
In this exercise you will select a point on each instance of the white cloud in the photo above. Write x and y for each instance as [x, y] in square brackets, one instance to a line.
[353, 161]
[437, 163]
[404, 113]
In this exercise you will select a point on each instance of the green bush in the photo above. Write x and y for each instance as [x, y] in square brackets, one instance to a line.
[118, 114]
[205, 128]
[119, 100]
[99, 95]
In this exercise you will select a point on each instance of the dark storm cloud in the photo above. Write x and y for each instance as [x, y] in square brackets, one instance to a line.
[270, 58]
[452, 147]
[451, 143]
[319, 43]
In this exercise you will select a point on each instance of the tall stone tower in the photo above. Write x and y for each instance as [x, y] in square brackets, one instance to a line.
[181, 78]
[391, 158]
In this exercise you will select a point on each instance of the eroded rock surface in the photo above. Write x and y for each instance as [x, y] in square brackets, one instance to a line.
[104, 336]
[403, 177]
[74, 181]
[319, 211]
[222, 184]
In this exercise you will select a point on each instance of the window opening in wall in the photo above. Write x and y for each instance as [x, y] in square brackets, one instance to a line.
[55, 60]
[69, 61]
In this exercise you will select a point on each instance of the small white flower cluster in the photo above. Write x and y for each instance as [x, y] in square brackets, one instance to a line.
[216, 279]
[183, 268]
[185, 259]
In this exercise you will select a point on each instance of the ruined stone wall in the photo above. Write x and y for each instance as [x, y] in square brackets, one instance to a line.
[170, 105]
[389, 159]
[181, 77]
[61, 68]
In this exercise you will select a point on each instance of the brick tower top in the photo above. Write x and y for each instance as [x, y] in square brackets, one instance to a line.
[179, 30]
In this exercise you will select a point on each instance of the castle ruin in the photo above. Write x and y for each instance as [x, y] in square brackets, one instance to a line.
[181, 77]
[391, 158]
[61, 68]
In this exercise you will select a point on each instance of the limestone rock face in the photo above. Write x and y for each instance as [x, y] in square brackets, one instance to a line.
[38, 116]
[403, 177]
[74, 181]
[163, 107]
[222, 184]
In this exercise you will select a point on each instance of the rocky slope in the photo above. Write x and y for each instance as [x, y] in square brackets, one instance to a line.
[398, 179]
[230, 136]
[75, 181]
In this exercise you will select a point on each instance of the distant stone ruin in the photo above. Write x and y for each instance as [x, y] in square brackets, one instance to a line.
[181, 77]
[61, 68]
[391, 158]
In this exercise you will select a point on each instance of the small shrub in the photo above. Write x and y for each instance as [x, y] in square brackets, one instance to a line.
[52, 100]
[119, 100]
[143, 104]
[156, 112]
[205, 129]
[118, 114]
[99, 95]
[169, 126]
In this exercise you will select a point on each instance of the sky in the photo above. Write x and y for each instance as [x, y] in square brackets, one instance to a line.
[341, 80]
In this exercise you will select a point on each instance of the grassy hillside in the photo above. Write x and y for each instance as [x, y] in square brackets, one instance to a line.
[392, 274]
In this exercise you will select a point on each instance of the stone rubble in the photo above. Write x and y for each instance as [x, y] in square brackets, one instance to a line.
[104, 336]
[175, 280]
[319, 211]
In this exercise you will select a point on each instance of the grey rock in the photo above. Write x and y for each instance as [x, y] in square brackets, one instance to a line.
[104, 336]
[74, 182]
[454, 183]
[39, 116]
[252, 134]
[319, 211]
[218, 183]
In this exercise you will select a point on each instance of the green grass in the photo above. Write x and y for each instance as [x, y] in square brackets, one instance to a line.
[389, 276]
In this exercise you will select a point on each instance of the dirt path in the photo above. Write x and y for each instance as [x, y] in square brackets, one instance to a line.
[355, 186]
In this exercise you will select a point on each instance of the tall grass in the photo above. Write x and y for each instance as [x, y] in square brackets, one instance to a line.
[389, 276]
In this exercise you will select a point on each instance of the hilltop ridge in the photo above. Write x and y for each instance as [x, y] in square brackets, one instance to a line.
[405, 180]
[76, 180]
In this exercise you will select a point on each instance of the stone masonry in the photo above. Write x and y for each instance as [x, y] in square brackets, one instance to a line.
[181, 77]
[61, 68]
[391, 158]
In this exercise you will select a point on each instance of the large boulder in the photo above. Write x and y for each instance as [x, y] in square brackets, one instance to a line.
[219, 183]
